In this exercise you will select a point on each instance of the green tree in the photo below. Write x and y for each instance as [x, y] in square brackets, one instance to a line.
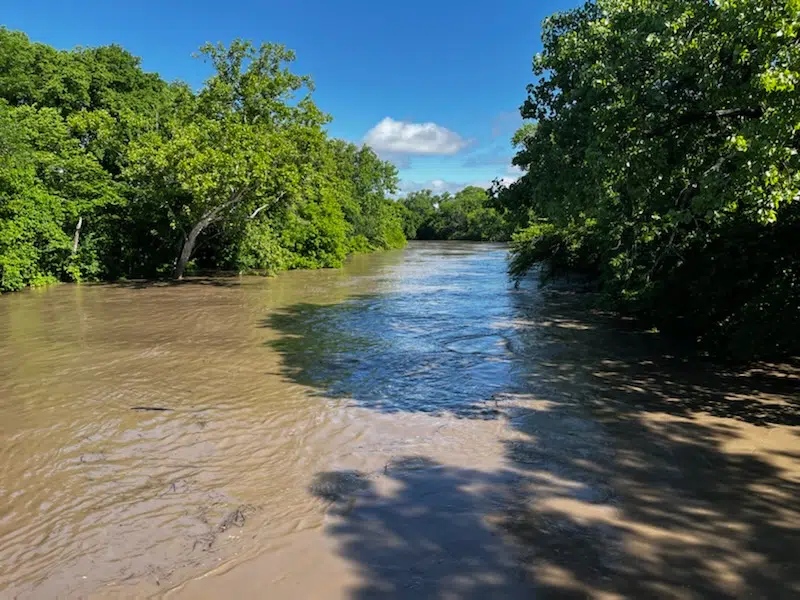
[107, 171]
[665, 128]
[419, 208]
[367, 182]
[237, 148]
[467, 215]
[51, 190]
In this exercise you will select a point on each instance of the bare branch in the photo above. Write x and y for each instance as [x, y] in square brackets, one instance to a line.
[77, 235]
[254, 214]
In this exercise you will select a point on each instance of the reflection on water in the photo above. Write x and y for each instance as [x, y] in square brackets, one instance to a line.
[435, 337]
[406, 427]
[94, 492]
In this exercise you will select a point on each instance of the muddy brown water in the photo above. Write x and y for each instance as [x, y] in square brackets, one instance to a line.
[410, 426]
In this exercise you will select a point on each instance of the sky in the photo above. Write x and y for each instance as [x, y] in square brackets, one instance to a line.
[432, 85]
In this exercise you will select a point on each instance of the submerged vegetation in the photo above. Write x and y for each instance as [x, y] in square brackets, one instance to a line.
[661, 156]
[107, 171]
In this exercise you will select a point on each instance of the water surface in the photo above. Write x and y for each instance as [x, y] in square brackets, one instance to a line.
[409, 426]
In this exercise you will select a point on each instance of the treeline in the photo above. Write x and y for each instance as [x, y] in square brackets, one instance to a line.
[466, 215]
[661, 156]
[108, 172]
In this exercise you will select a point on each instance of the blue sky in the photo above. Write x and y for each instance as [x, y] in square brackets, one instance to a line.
[433, 85]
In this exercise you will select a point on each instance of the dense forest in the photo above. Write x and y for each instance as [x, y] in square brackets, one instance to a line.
[109, 172]
[660, 152]
[466, 215]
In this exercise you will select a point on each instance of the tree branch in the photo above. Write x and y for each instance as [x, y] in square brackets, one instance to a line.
[696, 116]
[254, 214]
[750, 113]
[215, 212]
[76, 238]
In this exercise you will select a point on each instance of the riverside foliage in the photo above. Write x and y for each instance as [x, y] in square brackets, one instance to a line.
[661, 156]
[107, 171]
[466, 215]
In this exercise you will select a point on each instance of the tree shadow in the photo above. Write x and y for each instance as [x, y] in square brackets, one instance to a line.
[648, 509]
[566, 343]
[670, 456]
[633, 468]
[226, 280]
[416, 530]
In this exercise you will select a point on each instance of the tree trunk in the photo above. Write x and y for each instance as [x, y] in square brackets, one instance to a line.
[208, 218]
[77, 237]
[188, 247]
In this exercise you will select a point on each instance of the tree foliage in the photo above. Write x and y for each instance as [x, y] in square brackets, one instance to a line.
[48, 183]
[107, 171]
[466, 215]
[664, 158]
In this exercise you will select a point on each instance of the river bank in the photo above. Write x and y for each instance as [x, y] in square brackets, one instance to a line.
[409, 426]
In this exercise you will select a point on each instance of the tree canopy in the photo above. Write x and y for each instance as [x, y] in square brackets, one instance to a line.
[107, 171]
[466, 215]
[661, 154]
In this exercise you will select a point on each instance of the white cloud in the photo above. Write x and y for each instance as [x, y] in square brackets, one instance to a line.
[438, 186]
[507, 181]
[413, 138]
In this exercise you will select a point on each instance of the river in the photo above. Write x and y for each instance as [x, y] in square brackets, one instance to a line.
[409, 426]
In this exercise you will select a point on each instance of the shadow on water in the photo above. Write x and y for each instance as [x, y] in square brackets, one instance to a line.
[424, 539]
[629, 473]
[590, 351]
[646, 475]
[224, 280]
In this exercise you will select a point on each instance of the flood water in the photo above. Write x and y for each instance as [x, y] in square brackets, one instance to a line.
[409, 426]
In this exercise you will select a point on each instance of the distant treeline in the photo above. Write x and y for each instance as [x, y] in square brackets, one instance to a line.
[466, 215]
[662, 155]
[108, 172]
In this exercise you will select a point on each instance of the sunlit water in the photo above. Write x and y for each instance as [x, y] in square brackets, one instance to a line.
[257, 375]
[409, 426]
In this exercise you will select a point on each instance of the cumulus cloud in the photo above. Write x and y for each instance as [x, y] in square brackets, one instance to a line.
[390, 136]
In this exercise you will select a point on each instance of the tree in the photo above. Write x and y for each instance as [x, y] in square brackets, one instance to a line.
[467, 215]
[419, 210]
[49, 188]
[105, 78]
[107, 171]
[234, 150]
[367, 182]
[664, 128]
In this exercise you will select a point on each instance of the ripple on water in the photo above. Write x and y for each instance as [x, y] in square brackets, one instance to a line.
[257, 376]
